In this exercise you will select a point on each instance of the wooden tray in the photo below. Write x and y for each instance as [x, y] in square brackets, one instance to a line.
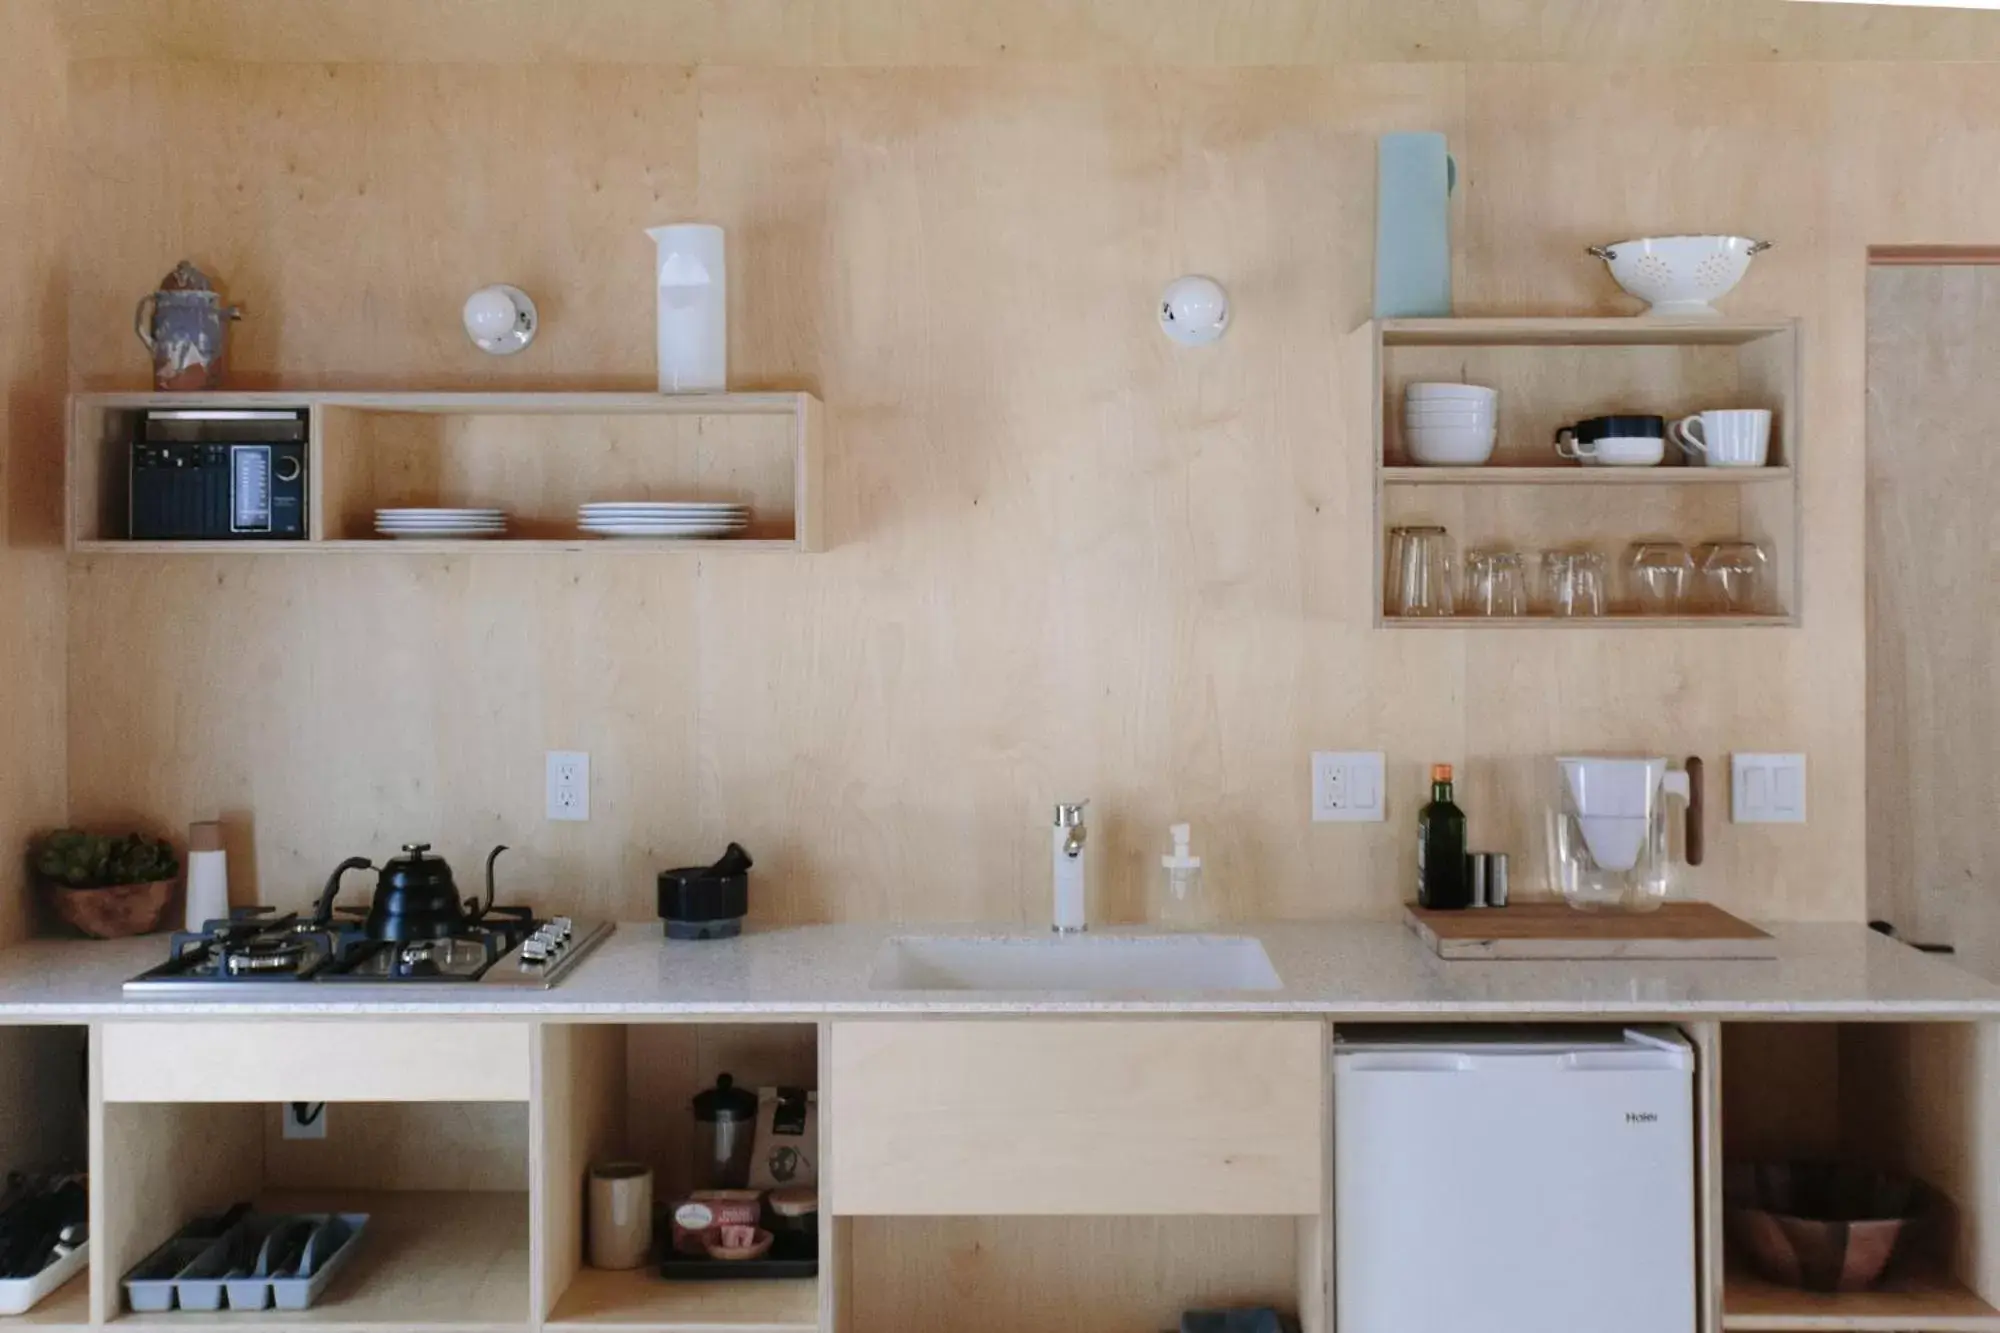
[1553, 930]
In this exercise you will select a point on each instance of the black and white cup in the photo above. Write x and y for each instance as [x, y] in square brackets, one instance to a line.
[1615, 441]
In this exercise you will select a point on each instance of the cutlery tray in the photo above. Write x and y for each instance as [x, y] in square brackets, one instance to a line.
[218, 1263]
[21, 1294]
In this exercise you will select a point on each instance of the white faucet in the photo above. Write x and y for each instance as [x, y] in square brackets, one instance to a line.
[1069, 835]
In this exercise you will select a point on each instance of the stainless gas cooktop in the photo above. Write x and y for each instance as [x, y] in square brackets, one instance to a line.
[257, 952]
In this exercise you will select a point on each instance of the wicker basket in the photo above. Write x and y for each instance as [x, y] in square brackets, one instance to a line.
[115, 912]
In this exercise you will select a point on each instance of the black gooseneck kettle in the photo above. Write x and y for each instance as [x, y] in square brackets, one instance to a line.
[415, 896]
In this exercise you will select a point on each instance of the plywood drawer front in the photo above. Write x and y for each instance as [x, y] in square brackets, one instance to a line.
[1033, 1117]
[386, 1060]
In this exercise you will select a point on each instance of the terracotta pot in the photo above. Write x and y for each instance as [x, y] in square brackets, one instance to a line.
[116, 912]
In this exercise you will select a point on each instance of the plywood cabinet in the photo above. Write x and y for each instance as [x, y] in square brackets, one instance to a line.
[990, 1173]
[313, 1061]
[1094, 1118]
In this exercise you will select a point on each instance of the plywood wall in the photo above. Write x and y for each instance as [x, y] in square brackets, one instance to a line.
[1933, 632]
[1023, 32]
[1070, 560]
[34, 277]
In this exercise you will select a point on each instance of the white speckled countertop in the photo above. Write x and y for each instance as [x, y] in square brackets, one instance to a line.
[1341, 969]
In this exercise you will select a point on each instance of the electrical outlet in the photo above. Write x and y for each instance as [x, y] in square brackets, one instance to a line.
[1347, 787]
[569, 785]
[1767, 788]
[305, 1120]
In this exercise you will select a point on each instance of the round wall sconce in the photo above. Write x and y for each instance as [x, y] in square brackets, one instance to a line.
[501, 319]
[1194, 311]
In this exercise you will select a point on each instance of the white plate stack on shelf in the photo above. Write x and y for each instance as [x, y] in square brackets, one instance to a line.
[674, 519]
[441, 523]
[1450, 425]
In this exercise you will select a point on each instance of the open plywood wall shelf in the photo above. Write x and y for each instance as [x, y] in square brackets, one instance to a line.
[1554, 372]
[536, 455]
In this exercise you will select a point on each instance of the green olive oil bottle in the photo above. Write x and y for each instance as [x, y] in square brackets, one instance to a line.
[1442, 882]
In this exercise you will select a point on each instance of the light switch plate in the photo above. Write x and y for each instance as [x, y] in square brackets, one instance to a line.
[1767, 788]
[1348, 787]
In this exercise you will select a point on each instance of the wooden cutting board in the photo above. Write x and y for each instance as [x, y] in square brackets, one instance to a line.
[1553, 930]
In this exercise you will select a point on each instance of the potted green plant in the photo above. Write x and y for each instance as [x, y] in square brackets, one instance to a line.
[108, 887]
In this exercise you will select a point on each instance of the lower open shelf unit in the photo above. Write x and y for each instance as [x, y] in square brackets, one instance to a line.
[446, 1260]
[1910, 1099]
[45, 1132]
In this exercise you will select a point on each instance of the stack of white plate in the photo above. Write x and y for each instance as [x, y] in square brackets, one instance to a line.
[1450, 425]
[436, 523]
[637, 518]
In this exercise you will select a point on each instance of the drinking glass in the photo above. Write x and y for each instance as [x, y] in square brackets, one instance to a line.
[1659, 575]
[1494, 584]
[1733, 575]
[1574, 582]
[1419, 581]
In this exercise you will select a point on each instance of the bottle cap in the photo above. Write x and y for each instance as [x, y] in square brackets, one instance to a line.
[205, 836]
[1440, 772]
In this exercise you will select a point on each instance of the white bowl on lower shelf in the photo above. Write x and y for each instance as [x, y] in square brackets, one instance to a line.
[1416, 420]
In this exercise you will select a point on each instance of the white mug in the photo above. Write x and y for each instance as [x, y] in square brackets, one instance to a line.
[1726, 438]
[1616, 451]
[621, 1215]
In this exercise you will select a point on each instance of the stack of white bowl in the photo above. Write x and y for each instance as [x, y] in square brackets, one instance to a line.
[1450, 425]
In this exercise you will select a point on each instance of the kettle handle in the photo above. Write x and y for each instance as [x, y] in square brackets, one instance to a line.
[473, 911]
[323, 912]
[142, 318]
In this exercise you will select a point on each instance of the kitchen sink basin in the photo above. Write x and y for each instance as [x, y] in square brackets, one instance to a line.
[1075, 963]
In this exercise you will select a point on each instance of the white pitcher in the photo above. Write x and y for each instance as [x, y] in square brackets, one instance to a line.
[692, 278]
[1608, 831]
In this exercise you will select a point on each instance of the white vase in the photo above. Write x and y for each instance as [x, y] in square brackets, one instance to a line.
[692, 278]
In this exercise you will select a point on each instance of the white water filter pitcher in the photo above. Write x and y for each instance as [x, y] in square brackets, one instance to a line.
[1608, 831]
[691, 275]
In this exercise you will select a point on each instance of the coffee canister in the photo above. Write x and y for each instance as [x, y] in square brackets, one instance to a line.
[621, 1215]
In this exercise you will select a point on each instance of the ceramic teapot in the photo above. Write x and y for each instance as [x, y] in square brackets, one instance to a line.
[184, 326]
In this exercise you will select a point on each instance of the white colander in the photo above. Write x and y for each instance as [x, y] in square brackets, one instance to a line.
[1680, 275]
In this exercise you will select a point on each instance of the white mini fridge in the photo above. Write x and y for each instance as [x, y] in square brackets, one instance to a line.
[1519, 1180]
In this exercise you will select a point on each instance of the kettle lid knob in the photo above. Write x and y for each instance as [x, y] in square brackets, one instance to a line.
[416, 849]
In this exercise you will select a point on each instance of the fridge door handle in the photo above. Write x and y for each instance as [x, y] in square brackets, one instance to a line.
[1408, 1062]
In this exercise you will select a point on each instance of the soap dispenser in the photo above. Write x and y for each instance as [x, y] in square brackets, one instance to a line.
[1180, 882]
